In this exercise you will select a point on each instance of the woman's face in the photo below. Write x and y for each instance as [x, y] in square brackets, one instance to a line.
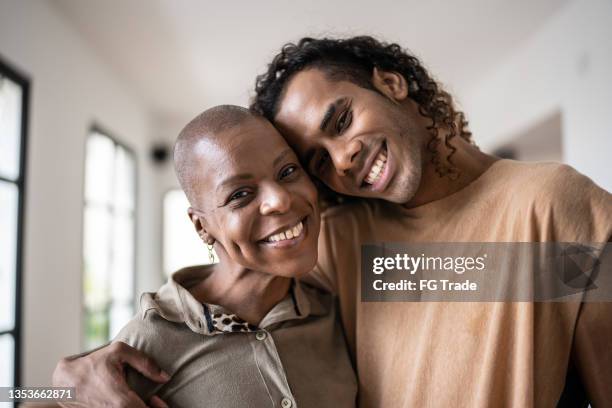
[256, 200]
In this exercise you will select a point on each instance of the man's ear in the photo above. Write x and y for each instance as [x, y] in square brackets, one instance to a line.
[391, 84]
[198, 222]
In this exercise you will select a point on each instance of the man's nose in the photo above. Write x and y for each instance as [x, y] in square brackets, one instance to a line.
[275, 199]
[344, 155]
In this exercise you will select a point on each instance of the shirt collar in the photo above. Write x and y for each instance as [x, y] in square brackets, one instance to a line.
[174, 303]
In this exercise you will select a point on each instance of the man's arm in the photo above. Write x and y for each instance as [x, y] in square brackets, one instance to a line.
[592, 351]
[99, 377]
[580, 211]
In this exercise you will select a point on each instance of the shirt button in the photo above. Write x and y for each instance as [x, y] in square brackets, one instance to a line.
[262, 336]
[286, 403]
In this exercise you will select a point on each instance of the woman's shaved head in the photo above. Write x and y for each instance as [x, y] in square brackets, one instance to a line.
[204, 129]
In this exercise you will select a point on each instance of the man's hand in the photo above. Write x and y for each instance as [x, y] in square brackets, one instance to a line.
[99, 377]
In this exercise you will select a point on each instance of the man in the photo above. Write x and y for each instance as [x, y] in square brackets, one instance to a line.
[367, 120]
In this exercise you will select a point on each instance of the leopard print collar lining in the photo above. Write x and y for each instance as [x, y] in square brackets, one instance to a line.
[226, 323]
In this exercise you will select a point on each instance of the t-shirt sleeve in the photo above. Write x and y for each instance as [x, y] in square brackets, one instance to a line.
[572, 208]
[580, 211]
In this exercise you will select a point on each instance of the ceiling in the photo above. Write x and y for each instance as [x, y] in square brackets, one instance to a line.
[182, 56]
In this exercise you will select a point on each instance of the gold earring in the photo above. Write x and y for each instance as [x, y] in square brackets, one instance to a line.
[211, 254]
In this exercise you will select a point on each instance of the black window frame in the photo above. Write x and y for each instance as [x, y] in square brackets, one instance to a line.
[8, 71]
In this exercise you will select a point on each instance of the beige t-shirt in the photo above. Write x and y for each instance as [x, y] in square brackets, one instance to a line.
[296, 357]
[502, 354]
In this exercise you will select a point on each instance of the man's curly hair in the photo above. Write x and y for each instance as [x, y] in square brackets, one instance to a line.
[353, 60]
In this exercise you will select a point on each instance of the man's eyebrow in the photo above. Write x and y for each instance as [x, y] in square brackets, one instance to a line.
[233, 179]
[331, 109]
[281, 156]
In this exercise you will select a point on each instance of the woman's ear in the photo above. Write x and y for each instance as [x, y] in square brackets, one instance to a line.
[198, 222]
[391, 84]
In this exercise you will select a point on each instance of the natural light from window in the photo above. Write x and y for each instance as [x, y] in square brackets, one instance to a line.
[12, 122]
[108, 238]
[182, 245]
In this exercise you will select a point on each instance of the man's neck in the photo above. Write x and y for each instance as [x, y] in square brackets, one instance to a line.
[246, 293]
[468, 161]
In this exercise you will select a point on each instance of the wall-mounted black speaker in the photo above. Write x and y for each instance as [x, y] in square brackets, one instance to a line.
[160, 153]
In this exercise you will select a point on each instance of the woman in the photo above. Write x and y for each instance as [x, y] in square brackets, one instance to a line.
[244, 331]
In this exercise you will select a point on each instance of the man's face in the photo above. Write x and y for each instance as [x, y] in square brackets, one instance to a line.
[357, 141]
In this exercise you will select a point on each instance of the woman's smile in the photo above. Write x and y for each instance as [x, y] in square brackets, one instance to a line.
[288, 237]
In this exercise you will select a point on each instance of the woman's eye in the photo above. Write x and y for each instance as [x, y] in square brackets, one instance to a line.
[238, 195]
[344, 121]
[288, 171]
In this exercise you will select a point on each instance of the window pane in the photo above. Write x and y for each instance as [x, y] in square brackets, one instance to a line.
[7, 353]
[182, 246]
[8, 251]
[96, 246]
[122, 268]
[99, 167]
[124, 176]
[120, 314]
[10, 128]
[96, 328]
[109, 246]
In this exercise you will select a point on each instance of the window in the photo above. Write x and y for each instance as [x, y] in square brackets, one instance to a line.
[108, 238]
[182, 245]
[13, 119]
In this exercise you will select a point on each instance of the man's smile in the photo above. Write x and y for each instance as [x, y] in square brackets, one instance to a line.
[375, 173]
[377, 168]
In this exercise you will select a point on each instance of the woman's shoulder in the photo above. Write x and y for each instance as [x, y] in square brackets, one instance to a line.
[149, 330]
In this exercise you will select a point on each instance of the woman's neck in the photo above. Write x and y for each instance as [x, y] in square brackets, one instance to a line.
[248, 294]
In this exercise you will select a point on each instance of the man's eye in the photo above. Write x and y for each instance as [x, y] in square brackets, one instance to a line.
[344, 121]
[288, 171]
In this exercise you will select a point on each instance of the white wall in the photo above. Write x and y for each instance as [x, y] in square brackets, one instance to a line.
[566, 65]
[71, 89]
[165, 131]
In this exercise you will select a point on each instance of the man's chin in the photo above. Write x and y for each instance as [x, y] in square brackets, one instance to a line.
[402, 194]
[395, 198]
[385, 196]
